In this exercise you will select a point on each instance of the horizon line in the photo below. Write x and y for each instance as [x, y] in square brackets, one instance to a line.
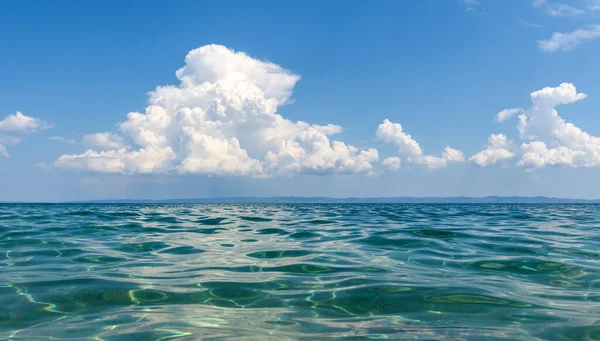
[326, 199]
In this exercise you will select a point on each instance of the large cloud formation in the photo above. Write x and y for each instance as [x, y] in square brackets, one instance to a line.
[552, 141]
[14, 127]
[410, 149]
[555, 142]
[221, 119]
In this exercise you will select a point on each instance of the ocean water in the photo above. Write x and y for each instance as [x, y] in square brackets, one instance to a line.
[299, 272]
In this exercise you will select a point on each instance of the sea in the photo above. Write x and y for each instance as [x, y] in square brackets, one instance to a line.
[299, 272]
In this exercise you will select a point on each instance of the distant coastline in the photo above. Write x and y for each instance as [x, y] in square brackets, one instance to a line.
[349, 200]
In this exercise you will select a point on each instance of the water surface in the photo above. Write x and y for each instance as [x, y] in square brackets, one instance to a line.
[299, 272]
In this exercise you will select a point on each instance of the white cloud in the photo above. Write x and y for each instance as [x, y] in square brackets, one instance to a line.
[507, 113]
[496, 152]
[536, 154]
[569, 41]
[142, 161]
[23, 124]
[538, 3]
[104, 141]
[594, 5]
[411, 150]
[62, 139]
[14, 127]
[554, 141]
[221, 119]
[392, 163]
[563, 10]
[453, 155]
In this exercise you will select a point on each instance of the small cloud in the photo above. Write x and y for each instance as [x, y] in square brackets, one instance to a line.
[23, 124]
[496, 152]
[527, 23]
[538, 3]
[569, 41]
[469, 5]
[563, 10]
[392, 163]
[14, 127]
[62, 139]
[507, 113]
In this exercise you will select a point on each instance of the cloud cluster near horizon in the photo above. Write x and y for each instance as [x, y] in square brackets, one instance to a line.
[550, 140]
[221, 119]
[16, 126]
[410, 149]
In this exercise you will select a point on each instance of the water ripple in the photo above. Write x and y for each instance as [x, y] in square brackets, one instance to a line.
[300, 272]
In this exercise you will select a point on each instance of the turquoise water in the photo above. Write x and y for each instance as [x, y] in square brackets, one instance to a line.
[300, 272]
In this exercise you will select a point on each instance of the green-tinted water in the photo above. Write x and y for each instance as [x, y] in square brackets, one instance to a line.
[300, 272]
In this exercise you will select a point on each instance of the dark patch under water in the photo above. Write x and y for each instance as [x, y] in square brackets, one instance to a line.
[299, 272]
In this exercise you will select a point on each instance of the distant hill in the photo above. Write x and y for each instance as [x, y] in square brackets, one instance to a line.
[357, 200]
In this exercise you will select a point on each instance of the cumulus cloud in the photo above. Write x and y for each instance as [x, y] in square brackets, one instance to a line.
[221, 119]
[555, 142]
[496, 152]
[14, 127]
[392, 163]
[507, 113]
[22, 124]
[411, 150]
[104, 141]
[569, 41]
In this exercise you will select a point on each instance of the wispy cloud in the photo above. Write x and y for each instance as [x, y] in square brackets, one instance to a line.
[569, 41]
[563, 10]
[62, 139]
[469, 5]
[527, 23]
[538, 3]
[594, 5]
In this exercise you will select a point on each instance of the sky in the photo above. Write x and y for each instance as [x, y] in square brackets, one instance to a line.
[156, 99]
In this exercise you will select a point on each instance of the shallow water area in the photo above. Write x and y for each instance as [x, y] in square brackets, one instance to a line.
[299, 272]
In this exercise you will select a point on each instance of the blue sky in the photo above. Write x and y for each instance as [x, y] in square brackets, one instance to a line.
[442, 70]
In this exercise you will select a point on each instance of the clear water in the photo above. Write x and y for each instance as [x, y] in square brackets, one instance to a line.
[299, 272]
